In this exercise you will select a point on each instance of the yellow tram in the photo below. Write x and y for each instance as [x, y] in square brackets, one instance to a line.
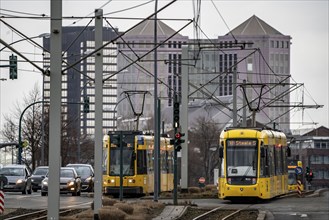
[254, 163]
[137, 164]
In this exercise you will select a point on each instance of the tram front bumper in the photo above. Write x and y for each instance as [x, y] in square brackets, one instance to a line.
[126, 190]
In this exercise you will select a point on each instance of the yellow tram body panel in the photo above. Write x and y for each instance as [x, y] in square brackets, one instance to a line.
[265, 183]
[140, 183]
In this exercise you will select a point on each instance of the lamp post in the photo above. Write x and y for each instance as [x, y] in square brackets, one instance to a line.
[26, 39]
[20, 131]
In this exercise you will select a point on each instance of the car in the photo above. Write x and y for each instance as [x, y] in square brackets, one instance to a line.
[70, 182]
[86, 173]
[17, 178]
[37, 176]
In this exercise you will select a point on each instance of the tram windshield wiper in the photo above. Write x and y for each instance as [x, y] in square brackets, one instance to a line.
[247, 171]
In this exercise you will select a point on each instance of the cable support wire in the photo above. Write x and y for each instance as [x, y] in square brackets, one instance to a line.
[144, 55]
[225, 72]
[223, 20]
[76, 38]
[117, 37]
[41, 47]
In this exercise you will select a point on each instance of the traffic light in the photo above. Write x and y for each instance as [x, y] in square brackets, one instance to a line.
[13, 67]
[308, 174]
[86, 104]
[176, 114]
[179, 140]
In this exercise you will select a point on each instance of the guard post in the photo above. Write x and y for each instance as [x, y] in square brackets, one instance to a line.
[3, 181]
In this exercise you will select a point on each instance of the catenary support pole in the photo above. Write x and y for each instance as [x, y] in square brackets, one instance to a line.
[156, 115]
[98, 112]
[184, 118]
[55, 108]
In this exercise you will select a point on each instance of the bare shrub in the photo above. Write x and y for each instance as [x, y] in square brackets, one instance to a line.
[194, 190]
[127, 208]
[109, 201]
[139, 209]
[111, 213]
[210, 188]
[88, 214]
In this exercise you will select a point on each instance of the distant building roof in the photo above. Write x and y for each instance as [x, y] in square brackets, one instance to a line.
[146, 28]
[254, 26]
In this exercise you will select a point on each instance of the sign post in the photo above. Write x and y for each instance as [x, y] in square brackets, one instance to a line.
[202, 181]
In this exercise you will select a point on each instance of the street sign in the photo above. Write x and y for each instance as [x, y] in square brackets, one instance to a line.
[202, 180]
[299, 170]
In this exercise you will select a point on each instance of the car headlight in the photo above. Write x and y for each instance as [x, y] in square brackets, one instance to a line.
[44, 182]
[32, 180]
[71, 183]
[19, 181]
[88, 179]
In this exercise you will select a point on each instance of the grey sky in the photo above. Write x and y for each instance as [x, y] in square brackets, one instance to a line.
[305, 21]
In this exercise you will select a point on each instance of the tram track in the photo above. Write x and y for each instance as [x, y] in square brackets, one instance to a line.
[42, 214]
[221, 213]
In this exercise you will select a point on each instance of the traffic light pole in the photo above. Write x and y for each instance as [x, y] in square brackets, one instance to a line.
[175, 170]
[176, 125]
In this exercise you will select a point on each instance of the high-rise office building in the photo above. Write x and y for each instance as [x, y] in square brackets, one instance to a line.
[78, 81]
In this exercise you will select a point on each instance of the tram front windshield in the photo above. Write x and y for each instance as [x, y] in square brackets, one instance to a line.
[128, 162]
[241, 158]
[292, 179]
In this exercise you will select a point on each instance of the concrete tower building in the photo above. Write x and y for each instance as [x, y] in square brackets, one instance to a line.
[78, 81]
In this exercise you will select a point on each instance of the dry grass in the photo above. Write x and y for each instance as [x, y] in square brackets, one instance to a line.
[109, 201]
[111, 213]
[117, 210]
[210, 188]
[194, 190]
[127, 208]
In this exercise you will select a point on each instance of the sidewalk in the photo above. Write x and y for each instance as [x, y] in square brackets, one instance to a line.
[171, 212]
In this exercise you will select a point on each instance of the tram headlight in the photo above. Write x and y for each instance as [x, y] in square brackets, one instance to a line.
[112, 180]
[131, 181]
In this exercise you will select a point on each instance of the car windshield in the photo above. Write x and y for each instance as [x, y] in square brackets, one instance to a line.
[83, 171]
[67, 173]
[8, 171]
[40, 171]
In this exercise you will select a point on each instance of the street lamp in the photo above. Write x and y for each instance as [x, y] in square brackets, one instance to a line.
[47, 35]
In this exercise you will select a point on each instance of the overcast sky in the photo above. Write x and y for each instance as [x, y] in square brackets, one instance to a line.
[305, 21]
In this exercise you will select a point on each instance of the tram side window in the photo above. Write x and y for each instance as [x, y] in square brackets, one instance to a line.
[141, 162]
[264, 163]
[170, 161]
[163, 161]
[278, 160]
[150, 160]
[272, 160]
[284, 160]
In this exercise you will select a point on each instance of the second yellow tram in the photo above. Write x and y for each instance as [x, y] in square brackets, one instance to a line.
[254, 163]
[137, 163]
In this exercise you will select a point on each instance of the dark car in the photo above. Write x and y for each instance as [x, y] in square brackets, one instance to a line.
[37, 176]
[70, 182]
[17, 178]
[86, 173]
